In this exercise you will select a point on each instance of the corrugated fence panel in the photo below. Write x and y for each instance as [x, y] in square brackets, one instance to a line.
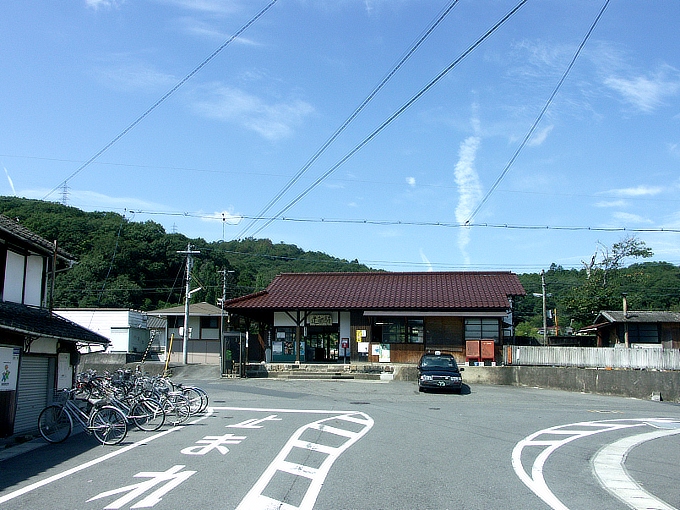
[597, 357]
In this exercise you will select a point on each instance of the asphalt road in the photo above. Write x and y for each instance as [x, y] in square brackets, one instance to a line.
[270, 443]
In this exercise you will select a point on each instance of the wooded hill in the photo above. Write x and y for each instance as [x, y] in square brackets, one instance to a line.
[135, 265]
[129, 264]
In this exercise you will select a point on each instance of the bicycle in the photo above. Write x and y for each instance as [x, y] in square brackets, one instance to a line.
[145, 413]
[107, 423]
[198, 397]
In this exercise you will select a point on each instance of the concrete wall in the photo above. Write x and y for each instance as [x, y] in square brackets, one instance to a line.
[642, 384]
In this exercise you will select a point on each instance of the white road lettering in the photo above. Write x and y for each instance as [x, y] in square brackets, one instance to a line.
[253, 423]
[213, 443]
[173, 477]
[94, 462]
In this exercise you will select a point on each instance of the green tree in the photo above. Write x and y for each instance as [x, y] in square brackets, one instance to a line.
[604, 280]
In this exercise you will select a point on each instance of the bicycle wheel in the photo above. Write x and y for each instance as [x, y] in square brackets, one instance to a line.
[54, 423]
[147, 414]
[108, 424]
[177, 408]
[198, 399]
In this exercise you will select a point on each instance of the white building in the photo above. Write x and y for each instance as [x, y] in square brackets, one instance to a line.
[130, 331]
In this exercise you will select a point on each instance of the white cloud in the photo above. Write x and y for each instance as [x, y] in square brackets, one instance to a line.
[106, 4]
[469, 189]
[272, 121]
[207, 6]
[611, 203]
[425, 260]
[134, 77]
[631, 219]
[538, 137]
[411, 181]
[638, 191]
[93, 201]
[11, 183]
[646, 93]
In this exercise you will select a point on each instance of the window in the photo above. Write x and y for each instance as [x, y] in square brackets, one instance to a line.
[393, 331]
[401, 330]
[210, 323]
[643, 333]
[481, 328]
[415, 330]
[175, 321]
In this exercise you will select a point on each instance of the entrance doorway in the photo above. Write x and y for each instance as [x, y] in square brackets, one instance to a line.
[322, 344]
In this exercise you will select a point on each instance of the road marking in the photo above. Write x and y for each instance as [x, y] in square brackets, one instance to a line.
[173, 477]
[94, 462]
[561, 435]
[256, 499]
[608, 466]
[209, 443]
[294, 411]
[254, 423]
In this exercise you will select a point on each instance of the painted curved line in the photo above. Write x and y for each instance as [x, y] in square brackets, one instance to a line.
[550, 439]
[256, 499]
[610, 471]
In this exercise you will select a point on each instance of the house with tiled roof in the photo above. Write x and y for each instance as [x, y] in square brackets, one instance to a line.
[38, 349]
[205, 324]
[636, 328]
[378, 316]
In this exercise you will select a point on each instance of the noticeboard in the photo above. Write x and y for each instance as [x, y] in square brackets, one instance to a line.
[9, 368]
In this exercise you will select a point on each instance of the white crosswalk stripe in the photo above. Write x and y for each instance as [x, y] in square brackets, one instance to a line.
[358, 425]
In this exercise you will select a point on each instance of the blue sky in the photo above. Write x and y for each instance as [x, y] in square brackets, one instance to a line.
[605, 155]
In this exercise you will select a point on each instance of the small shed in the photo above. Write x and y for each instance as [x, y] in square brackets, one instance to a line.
[636, 328]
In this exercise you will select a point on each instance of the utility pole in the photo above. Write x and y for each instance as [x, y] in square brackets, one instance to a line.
[545, 312]
[187, 297]
[224, 274]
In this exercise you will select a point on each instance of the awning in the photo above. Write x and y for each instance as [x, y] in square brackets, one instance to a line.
[40, 322]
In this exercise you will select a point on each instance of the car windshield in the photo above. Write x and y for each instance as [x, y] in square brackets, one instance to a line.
[438, 362]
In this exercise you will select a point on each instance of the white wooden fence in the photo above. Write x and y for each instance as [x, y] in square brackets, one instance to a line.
[594, 357]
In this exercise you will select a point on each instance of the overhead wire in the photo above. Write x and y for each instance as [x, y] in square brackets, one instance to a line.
[540, 115]
[397, 113]
[445, 224]
[163, 98]
[431, 27]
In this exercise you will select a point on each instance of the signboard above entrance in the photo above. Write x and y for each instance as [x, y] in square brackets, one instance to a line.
[320, 319]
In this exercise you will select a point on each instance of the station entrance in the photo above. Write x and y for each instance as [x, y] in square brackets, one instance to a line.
[322, 343]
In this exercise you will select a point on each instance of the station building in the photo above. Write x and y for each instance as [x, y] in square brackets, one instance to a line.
[377, 316]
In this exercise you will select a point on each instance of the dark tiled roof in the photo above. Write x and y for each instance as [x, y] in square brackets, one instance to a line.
[384, 291]
[195, 309]
[638, 316]
[17, 231]
[30, 320]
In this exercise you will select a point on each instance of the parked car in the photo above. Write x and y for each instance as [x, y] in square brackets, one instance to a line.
[439, 371]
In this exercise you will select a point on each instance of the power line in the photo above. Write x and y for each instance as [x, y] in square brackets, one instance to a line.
[354, 114]
[407, 223]
[396, 114]
[540, 115]
[164, 97]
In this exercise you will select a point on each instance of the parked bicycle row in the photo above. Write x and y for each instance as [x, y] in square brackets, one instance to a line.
[105, 405]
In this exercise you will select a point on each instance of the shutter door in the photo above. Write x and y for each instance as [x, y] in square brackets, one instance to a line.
[32, 392]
